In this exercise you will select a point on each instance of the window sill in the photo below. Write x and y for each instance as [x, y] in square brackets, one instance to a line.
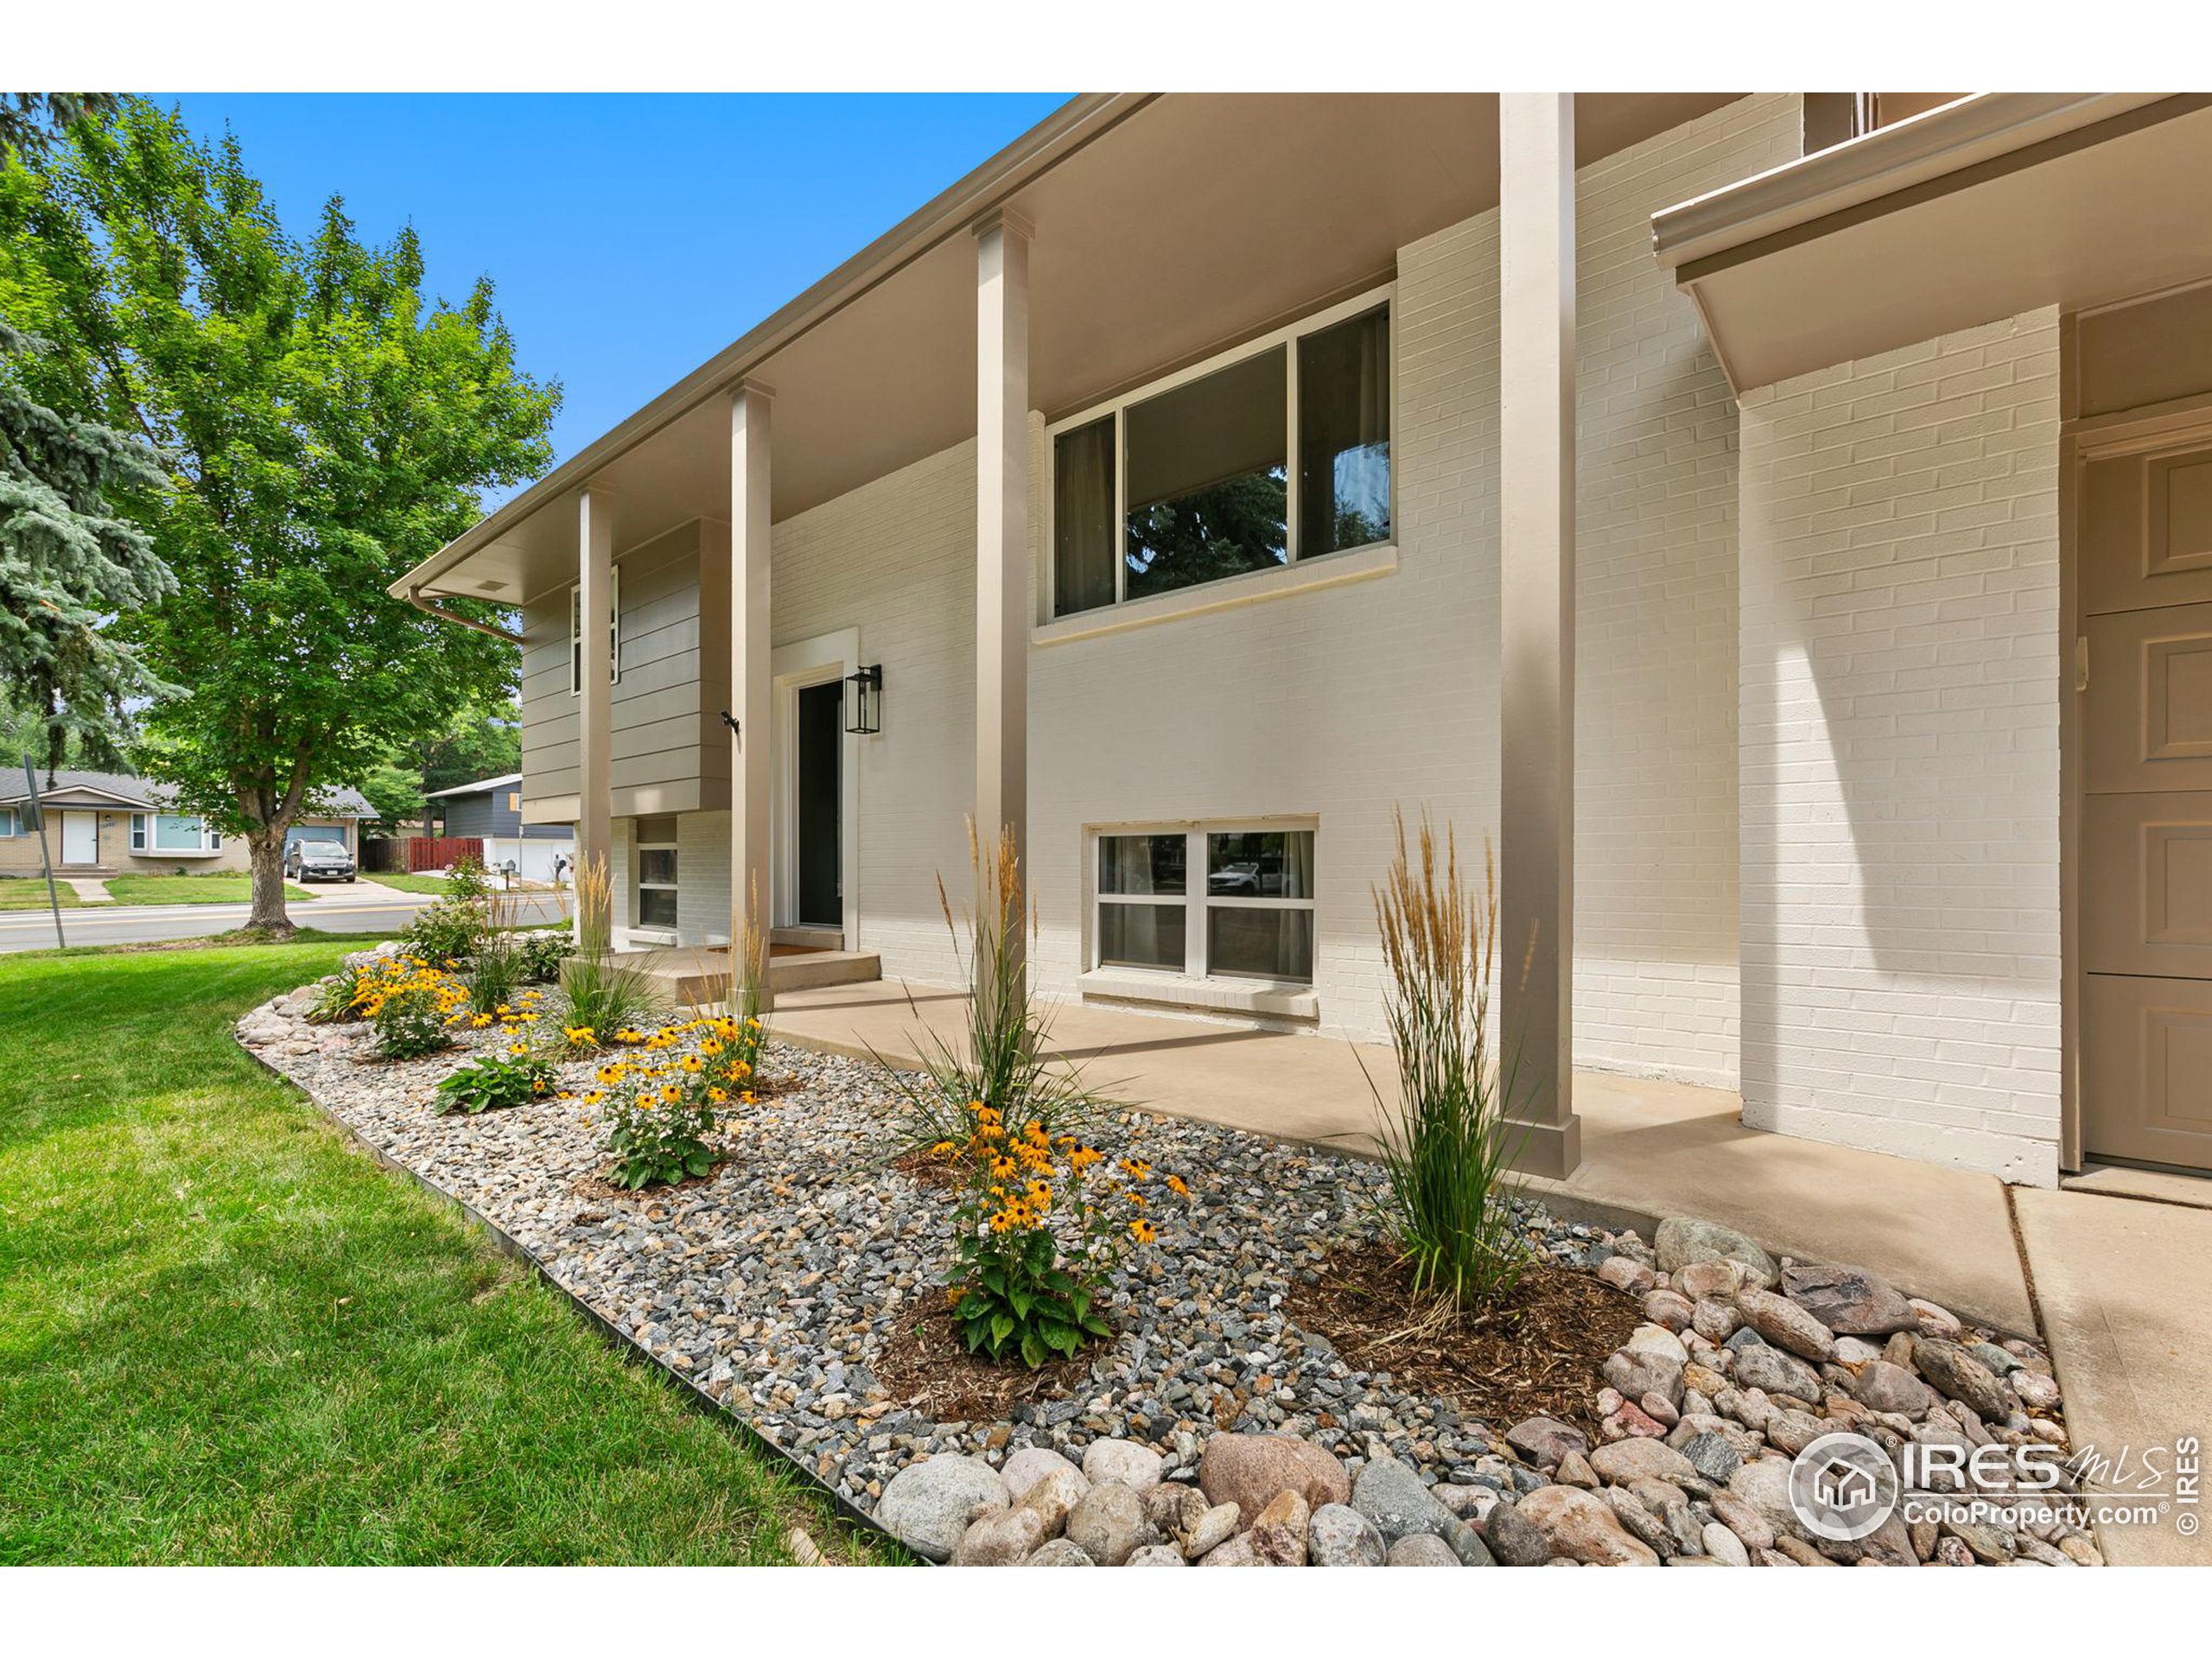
[1332, 570]
[1280, 999]
[178, 852]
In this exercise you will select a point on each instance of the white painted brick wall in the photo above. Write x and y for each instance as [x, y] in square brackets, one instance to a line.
[1655, 779]
[1899, 757]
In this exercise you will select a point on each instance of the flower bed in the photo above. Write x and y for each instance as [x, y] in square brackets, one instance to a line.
[780, 1282]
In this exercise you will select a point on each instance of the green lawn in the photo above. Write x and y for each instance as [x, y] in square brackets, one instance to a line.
[435, 884]
[227, 888]
[225, 1336]
[31, 894]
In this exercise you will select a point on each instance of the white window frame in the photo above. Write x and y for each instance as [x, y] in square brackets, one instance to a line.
[141, 838]
[639, 886]
[10, 824]
[1288, 337]
[1196, 903]
[613, 631]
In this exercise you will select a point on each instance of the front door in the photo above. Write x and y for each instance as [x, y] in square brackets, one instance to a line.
[2145, 889]
[80, 837]
[820, 834]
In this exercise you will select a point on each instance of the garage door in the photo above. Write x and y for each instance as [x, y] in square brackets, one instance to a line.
[2146, 818]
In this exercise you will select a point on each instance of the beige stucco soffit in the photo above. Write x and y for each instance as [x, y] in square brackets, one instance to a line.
[1994, 204]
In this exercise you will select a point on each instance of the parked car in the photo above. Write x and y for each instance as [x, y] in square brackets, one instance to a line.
[319, 860]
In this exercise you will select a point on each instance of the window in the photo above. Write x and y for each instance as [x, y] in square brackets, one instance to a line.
[656, 883]
[1276, 452]
[1254, 919]
[613, 632]
[514, 800]
[172, 832]
[9, 823]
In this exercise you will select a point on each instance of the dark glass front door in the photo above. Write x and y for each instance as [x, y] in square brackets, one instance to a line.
[821, 733]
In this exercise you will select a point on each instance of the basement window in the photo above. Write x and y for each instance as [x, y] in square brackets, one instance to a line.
[1222, 901]
[1258, 458]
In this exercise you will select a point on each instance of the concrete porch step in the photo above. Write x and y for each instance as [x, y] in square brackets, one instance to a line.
[702, 975]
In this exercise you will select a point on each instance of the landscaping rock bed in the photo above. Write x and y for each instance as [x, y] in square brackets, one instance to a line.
[1214, 1430]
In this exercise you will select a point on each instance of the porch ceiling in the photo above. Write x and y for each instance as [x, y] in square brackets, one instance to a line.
[1165, 228]
[1997, 204]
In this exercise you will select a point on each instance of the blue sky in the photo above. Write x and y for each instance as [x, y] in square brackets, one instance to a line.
[630, 237]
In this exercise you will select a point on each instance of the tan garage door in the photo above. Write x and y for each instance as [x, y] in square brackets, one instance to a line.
[2146, 816]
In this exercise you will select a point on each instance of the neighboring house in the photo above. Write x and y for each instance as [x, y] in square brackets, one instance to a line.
[106, 824]
[490, 810]
[1819, 613]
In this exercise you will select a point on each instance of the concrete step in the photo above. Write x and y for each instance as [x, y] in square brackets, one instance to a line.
[808, 938]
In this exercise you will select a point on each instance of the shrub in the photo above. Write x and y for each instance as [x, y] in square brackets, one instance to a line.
[465, 880]
[521, 1075]
[1039, 1227]
[661, 1107]
[601, 993]
[410, 1003]
[538, 955]
[448, 930]
[1447, 1152]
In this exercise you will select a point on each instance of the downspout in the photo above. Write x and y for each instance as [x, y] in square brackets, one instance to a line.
[415, 598]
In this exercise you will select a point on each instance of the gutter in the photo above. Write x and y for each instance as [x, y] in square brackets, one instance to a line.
[414, 596]
[1060, 135]
[1720, 228]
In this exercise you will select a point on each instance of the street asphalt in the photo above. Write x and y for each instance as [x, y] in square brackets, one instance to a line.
[333, 910]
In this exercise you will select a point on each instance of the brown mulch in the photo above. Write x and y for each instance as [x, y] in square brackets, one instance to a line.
[927, 1168]
[927, 1365]
[1539, 1355]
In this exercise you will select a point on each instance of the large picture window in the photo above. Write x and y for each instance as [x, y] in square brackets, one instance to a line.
[1276, 452]
[172, 832]
[1250, 915]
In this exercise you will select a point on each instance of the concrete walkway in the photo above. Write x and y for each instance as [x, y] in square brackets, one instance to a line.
[2126, 1286]
[91, 888]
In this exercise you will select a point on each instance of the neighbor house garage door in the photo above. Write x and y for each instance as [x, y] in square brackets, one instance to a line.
[2146, 811]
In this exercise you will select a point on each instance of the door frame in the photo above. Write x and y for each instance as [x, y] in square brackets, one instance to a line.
[2081, 440]
[62, 860]
[805, 663]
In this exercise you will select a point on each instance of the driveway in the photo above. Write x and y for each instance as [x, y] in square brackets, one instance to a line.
[362, 906]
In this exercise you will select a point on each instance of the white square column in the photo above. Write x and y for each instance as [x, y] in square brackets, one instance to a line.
[595, 678]
[1536, 436]
[1002, 615]
[751, 411]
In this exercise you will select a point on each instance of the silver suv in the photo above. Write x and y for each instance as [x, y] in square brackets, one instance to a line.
[319, 860]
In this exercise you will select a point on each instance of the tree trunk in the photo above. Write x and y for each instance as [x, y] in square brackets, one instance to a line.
[266, 848]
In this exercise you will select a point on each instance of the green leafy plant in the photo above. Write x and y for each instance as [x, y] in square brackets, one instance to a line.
[601, 993]
[521, 1075]
[495, 973]
[1447, 1152]
[448, 930]
[538, 955]
[466, 879]
[1039, 1227]
[335, 999]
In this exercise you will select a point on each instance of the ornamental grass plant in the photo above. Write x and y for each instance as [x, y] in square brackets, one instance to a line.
[601, 993]
[1447, 1152]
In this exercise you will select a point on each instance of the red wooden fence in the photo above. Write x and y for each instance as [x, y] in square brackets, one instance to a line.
[438, 852]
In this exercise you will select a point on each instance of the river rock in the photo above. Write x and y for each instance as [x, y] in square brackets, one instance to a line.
[1636, 1374]
[1058, 1551]
[1723, 1545]
[1784, 1324]
[1002, 1538]
[1248, 1469]
[1583, 1528]
[1775, 1372]
[1391, 1495]
[1339, 1535]
[1421, 1549]
[1669, 1308]
[1683, 1240]
[1626, 1275]
[1133, 1465]
[1627, 1460]
[1849, 1301]
[1110, 1524]
[1514, 1539]
[1884, 1387]
[928, 1505]
[1209, 1530]
[1053, 1495]
[1025, 1468]
[1545, 1440]
[1713, 1456]
[1962, 1376]
[1714, 1320]
[1657, 1339]
[1156, 1555]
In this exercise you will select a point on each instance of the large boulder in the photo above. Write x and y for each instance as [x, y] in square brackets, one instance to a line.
[1584, 1528]
[1339, 1535]
[1025, 1468]
[1390, 1494]
[1248, 1469]
[1514, 1539]
[1683, 1240]
[928, 1505]
[1110, 1524]
[1850, 1301]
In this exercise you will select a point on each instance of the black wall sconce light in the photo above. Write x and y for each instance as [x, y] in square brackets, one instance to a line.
[864, 700]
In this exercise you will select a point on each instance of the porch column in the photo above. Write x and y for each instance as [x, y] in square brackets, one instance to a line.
[1002, 532]
[1536, 135]
[595, 680]
[751, 416]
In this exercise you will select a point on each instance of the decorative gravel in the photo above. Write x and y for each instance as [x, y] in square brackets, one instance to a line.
[775, 1285]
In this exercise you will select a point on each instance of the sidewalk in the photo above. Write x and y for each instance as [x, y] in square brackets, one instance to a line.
[2126, 1286]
